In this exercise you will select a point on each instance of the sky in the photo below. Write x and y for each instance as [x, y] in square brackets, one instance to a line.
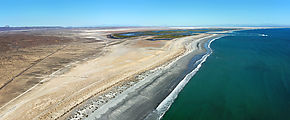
[91, 13]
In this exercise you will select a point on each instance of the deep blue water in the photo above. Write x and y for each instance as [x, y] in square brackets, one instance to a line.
[245, 78]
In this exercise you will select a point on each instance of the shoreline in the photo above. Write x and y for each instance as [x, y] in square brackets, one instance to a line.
[159, 75]
[204, 92]
[165, 105]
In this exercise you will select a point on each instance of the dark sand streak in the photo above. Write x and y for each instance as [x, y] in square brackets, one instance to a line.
[143, 100]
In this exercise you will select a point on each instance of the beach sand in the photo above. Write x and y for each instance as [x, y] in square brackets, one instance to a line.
[142, 99]
[58, 94]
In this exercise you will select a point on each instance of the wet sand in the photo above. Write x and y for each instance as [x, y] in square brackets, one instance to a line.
[140, 100]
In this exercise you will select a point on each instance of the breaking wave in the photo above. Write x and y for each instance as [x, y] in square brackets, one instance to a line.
[167, 102]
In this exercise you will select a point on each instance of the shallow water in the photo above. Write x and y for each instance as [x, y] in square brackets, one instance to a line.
[173, 32]
[246, 77]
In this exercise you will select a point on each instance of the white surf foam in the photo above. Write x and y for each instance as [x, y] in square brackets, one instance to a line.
[167, 102]
[264, 35]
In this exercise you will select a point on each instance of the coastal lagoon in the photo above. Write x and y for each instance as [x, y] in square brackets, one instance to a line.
[246, 77]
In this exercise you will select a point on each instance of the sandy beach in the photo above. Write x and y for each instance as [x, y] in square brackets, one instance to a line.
[139, 101]
[141, 97]
[61, 92]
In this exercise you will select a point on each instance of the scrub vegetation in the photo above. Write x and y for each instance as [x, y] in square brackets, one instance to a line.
[165, 34]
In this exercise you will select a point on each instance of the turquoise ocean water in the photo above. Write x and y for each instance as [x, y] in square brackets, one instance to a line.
[245, 78]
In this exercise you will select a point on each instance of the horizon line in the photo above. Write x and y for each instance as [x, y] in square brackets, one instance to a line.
[92, 26]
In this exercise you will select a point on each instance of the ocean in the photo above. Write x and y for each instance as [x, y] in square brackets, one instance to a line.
[245, 78]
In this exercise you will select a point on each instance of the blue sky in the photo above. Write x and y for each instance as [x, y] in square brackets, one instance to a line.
[143, 12]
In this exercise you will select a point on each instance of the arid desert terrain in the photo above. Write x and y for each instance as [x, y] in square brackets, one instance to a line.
[54, 73]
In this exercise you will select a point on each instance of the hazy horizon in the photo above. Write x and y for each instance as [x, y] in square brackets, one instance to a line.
[88, 13]
[264, 25]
